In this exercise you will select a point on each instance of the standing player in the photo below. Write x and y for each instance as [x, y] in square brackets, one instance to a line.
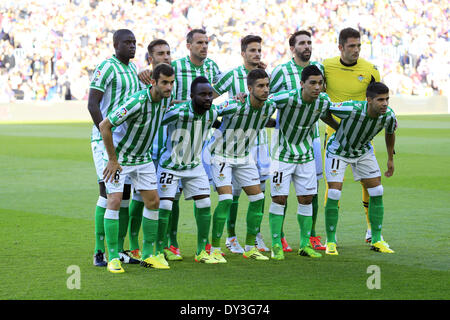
[158, 52]
[187, 69]
[293, 156]
[113, 81]
[287, 76]
[235, 82]
[347, 77]
[232, 160]
[135, 124]
[360, 122]
[188, 125]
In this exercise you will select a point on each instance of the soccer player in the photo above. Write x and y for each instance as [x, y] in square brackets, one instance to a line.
[287, 76]
[188, 125]
[360, 122]
[187, 69]
[235, 82]
[158, 52]
[293, 156]
[128, 148]
[232, 160]
[347, 77]
[114, 80]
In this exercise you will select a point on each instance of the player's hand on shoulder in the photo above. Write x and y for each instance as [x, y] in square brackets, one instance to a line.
[241, 96]
[262, 65]
[145, 76]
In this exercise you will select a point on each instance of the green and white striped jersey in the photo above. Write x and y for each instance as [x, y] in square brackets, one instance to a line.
[234, 82]
[357, 128]
[136, 123]
[241, 124]
[186, 133]
[117, 81]
[287, 76]
[186, 72]
[296, 122]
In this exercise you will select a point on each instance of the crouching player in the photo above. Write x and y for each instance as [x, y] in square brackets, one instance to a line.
[360, 122]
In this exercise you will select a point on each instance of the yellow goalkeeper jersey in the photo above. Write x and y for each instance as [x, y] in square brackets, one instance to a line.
[348, 82]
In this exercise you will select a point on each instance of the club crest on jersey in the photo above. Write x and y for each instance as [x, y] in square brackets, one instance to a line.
[360, 78]
[221, 177]
[277, 186]
[334, 173]
[164, 188]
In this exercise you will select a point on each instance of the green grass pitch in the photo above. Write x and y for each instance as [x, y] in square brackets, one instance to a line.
[48, 194]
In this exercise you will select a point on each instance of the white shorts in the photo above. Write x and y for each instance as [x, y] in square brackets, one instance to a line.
[193, 181]
[236, 174]
[364, 167]
[303, 175]
[318, 158]
[262, 156]
[142, 176]
[98, 152]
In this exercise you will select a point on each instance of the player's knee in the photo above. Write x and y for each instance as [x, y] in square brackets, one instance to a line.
[280, 200]
[334, 194]
[376, 191]
[114, 201]
[305, 200]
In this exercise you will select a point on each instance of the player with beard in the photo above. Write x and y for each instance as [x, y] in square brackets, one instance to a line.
[287, 76]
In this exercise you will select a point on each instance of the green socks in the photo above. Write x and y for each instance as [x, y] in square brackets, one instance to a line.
[165, 210]
[276, 214]
[376, 213]
[231, 219]
[124, 217]
[331, 219]
[111, 221]
[254, 218]
[99, 224]
[203, 218]
[150, 231]
[220, 216]
[173, 224]
[304, 218]
[135, 220]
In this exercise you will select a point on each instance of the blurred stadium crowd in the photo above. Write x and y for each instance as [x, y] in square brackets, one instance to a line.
[48, 48]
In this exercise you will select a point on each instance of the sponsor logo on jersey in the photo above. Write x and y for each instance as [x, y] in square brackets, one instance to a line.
[121, 113]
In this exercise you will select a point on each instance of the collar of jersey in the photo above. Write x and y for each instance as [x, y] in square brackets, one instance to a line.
[120, 62]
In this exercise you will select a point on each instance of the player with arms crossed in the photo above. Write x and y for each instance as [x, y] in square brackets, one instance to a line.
[293, 156]
[128, 149]
[114, 80]
[360, 122]
[287, 76]
[235, 82]
[347, 77]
